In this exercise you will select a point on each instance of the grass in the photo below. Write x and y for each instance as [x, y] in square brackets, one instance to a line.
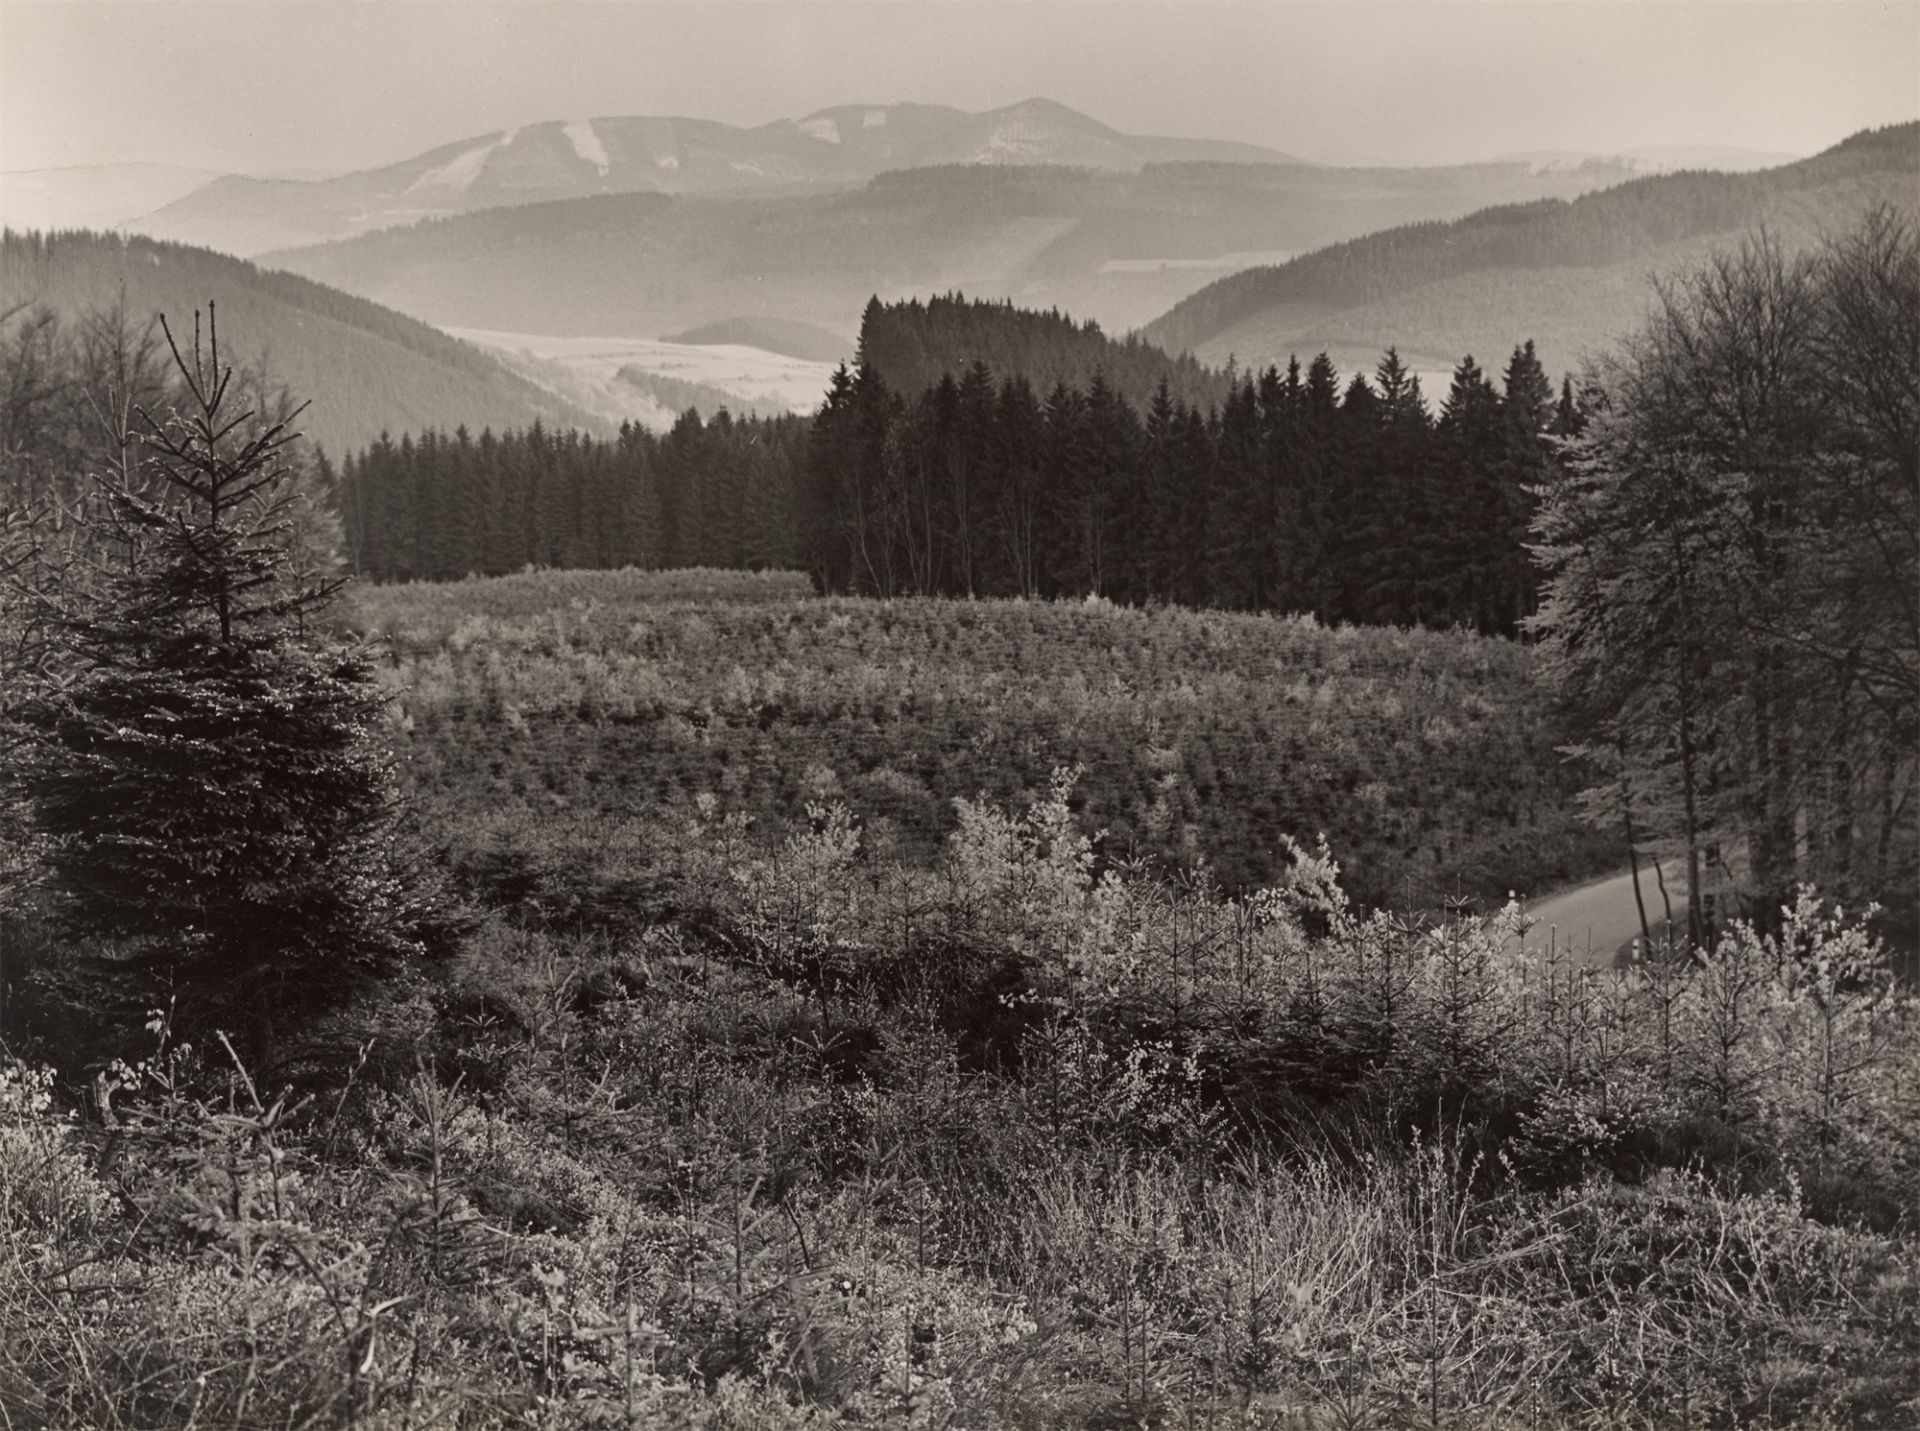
[562, 704]
[987, 1129]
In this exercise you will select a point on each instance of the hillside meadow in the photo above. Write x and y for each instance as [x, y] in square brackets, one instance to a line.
[539, 710]
[913, 1106]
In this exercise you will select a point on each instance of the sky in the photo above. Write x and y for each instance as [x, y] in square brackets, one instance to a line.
[303, 86]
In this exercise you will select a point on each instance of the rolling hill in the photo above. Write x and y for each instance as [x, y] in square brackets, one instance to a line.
[93, 196]
[835, 148]
[1110, 246]
[1571, 274]
[364, 367]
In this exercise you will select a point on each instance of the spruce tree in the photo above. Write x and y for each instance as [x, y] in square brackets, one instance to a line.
[208, 775]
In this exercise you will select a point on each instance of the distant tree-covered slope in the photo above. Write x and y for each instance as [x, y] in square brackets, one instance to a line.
[1569, 273]
[370, 369]
[1111, 246]
[913, 345]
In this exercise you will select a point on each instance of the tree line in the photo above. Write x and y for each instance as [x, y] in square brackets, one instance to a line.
[1732, 612]
[1299, 493]
[708, 493]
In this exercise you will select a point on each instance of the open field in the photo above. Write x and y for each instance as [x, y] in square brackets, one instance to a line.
[1204, 737]
[587, 371]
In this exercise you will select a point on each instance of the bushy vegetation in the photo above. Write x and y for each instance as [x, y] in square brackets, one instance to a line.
[540, 708]
[1002, 1142]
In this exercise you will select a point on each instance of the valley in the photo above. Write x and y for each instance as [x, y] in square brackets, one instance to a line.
[1116, 247]
[607, 376]
[706, 727]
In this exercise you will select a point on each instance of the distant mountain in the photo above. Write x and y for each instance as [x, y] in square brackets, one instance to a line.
[1116, 247]
[837, 148]
[92, 196]
[365, 368]
[1571, 275]
[1661, 159]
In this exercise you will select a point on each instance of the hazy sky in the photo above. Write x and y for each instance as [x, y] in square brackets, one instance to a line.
[274, 85]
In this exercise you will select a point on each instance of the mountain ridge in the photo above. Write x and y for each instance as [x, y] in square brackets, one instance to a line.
[1115, 247]
[840, 147]
[1570, 273]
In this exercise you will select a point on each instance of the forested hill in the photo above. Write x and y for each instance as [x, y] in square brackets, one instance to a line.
[365, 368]
[1571, 274]
[1116, 247]
[913, 345]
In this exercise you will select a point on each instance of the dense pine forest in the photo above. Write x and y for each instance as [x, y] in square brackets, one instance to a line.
[1350, 501]
[719, 493]
[1300, 493]
[914, 345]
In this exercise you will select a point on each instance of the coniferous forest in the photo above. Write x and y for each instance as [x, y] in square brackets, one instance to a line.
[1351, 500]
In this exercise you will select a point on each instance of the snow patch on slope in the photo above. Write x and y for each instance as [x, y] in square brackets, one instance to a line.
[824, 130]
[587, 144]
[458, 173]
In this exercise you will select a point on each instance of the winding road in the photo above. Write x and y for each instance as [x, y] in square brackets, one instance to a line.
[1599, 919]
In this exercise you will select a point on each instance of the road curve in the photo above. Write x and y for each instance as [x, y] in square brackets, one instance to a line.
[1598, 920]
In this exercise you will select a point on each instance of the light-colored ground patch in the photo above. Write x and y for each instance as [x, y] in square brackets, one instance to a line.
[587, 144]
[586, 370]
[459, 172]
[825, 130]
[1595, 923]
[1232, 262]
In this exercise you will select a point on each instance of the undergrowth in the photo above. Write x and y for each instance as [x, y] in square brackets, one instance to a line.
[1015, 1138]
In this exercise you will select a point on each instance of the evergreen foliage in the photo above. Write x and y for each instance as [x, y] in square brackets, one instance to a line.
[914, 344]
[1291, 495]
[204, 763]
[542, 709]
[709, 493]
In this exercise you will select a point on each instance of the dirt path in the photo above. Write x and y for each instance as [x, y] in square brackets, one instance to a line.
[1602, 917]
